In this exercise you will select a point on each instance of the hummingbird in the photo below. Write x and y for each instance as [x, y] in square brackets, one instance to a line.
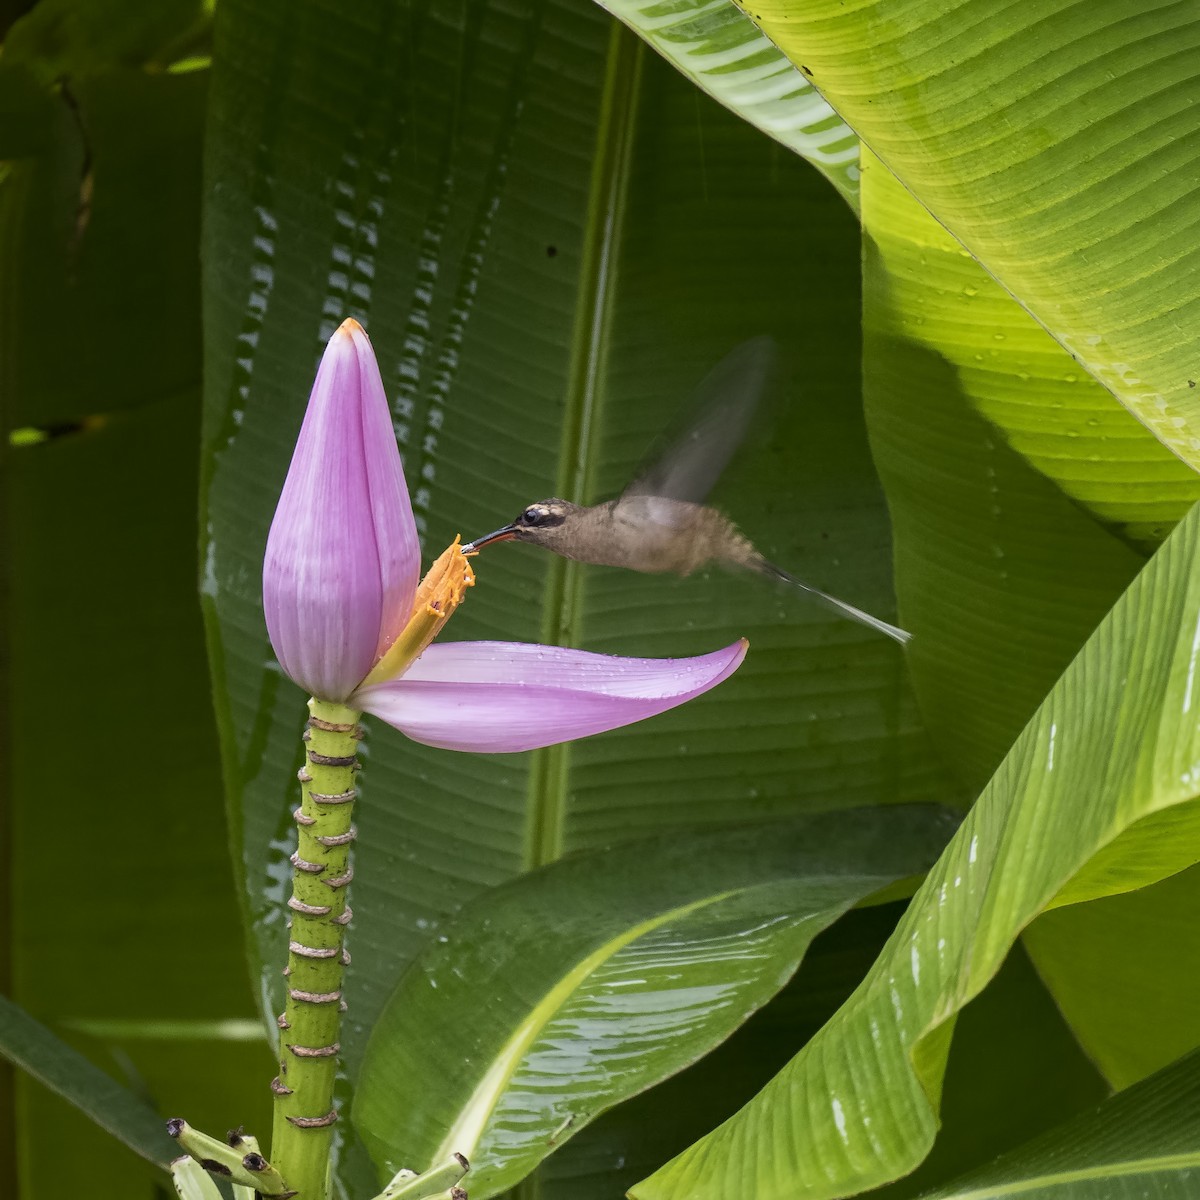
[660, 522]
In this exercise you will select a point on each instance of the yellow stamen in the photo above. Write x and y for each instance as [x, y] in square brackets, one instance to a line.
[439, 594]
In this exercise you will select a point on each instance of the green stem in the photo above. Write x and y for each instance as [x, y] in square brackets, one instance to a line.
[302, 1134]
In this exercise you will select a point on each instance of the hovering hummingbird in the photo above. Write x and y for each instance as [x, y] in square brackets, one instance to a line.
[660, 522]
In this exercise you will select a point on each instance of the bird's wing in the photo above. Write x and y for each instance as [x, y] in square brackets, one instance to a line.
[724, 403]
[639, 510]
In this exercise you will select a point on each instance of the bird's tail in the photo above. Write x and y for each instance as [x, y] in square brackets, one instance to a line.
[838, 606]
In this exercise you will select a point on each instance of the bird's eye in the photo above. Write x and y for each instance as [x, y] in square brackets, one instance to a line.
[532, 515]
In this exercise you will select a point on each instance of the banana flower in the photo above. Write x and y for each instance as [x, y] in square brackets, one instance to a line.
[351, 624]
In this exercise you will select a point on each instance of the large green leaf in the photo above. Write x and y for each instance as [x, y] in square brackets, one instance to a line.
[543, 291]
[1143, 1143]
[990, 555]
[1029, 387]
[1096, 797]
[1058, 143]
[995, 558]
[720, 49]
[604, 974]
[1011, 1035]
[1014, 1071]
[939, 299]
[613, 1152]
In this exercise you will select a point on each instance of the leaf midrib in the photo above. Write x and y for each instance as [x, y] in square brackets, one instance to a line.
[464, 1136]
[577, 456]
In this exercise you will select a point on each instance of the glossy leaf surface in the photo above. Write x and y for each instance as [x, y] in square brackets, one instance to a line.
[1096, 797]
[604, 974]
[1012, 1035]
[1014, 1071]
[620, 1146]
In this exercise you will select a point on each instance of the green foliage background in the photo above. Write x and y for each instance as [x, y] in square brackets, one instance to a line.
[551, 236]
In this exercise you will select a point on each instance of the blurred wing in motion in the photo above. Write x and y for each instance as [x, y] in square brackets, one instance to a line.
[725, 402]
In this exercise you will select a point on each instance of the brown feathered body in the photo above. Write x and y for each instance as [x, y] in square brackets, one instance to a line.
[643, 533]
[659, 523]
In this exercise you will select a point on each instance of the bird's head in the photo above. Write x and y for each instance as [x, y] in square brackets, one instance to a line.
[545, 523]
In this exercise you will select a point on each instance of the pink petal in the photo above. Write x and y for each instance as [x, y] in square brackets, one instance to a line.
[342, 556]
[493, 697]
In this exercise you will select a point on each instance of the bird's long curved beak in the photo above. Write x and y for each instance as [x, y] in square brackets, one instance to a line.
[504, 534]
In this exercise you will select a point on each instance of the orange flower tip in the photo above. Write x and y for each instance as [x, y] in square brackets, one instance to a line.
[439, 594]
[349, 327]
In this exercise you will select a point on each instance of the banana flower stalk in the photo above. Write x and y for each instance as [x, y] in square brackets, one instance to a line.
[352, 623]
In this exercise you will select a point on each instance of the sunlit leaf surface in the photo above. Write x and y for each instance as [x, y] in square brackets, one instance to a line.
[1040, 402]
[999, 575]
[1059, 143]
[1096, 797]
[1004, 580]
[1014, 1071]
[614, 1151]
